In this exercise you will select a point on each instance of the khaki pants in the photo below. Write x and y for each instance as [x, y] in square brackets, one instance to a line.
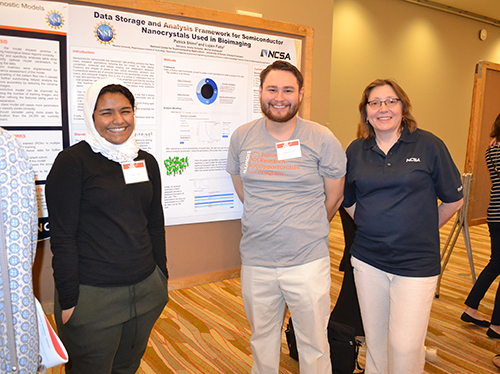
[395, 311]
[306, 291]
[109, 329]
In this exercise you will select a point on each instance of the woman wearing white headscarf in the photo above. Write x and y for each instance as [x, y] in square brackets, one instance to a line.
[108, 239]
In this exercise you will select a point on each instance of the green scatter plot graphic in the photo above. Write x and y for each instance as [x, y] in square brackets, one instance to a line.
[176, 165]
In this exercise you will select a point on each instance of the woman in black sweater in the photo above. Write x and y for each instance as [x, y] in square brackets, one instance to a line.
[107, 236]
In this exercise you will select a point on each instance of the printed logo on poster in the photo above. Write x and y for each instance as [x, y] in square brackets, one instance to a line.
[278, 55]
[105, 33]
[55, 19]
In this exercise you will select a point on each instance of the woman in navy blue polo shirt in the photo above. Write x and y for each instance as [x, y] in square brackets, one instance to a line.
[395, 175]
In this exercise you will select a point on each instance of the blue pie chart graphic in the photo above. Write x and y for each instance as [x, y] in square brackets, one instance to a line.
[207, 91]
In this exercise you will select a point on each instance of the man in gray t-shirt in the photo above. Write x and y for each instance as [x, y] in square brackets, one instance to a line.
[289, 174]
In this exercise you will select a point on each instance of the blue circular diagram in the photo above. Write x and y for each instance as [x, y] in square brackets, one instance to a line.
[207, 91]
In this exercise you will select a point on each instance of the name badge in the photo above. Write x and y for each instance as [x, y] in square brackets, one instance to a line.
[135, 172]
[288, 149]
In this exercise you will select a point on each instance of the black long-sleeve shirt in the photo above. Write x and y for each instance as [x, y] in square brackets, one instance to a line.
[104, 232]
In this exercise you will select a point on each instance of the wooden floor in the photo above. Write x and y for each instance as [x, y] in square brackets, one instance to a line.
[204, 329]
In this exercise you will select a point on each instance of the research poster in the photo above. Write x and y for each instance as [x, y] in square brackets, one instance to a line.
[194, 85]
[33, 84]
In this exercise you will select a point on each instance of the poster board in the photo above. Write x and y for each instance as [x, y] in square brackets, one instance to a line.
[194, 83]
[485, 108]
[200, 248]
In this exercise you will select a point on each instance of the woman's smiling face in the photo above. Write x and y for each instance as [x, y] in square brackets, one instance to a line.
[114, 117]
[384, 120]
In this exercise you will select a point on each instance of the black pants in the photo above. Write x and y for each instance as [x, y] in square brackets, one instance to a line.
[109, 329]
[488, 275]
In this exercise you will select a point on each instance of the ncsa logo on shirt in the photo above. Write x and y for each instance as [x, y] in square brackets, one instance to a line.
[413, 159]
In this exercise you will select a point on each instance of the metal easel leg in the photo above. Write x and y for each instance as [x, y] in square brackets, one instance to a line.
[461, 224]
[447, 250]
[468, 247]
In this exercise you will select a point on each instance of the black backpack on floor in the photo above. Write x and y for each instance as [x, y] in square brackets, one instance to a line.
[290, 340]
[344, 348]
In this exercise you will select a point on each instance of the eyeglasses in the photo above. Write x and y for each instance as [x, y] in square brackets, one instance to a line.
[389, 103]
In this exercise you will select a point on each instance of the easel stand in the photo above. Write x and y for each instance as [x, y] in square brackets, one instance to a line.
[461, 224]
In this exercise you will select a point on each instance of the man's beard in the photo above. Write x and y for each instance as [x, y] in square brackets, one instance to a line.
[292, 111]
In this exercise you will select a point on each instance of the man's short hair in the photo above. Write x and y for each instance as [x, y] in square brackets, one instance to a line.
[283, 66]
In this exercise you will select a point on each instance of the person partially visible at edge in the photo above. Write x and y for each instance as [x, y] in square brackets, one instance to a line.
[492, 270]
[289, 174]
[20, 225]
[395, 175]
[108, 238]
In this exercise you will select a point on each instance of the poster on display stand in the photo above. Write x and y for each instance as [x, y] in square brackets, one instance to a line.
[33, 85]
[194, 85]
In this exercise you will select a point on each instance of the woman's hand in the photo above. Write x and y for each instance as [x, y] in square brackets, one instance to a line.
[66, 315]
[447, 210]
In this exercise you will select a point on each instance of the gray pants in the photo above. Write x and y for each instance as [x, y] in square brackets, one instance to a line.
[109, 329]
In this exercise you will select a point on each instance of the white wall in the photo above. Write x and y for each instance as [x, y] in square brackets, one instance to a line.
[432, 55]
